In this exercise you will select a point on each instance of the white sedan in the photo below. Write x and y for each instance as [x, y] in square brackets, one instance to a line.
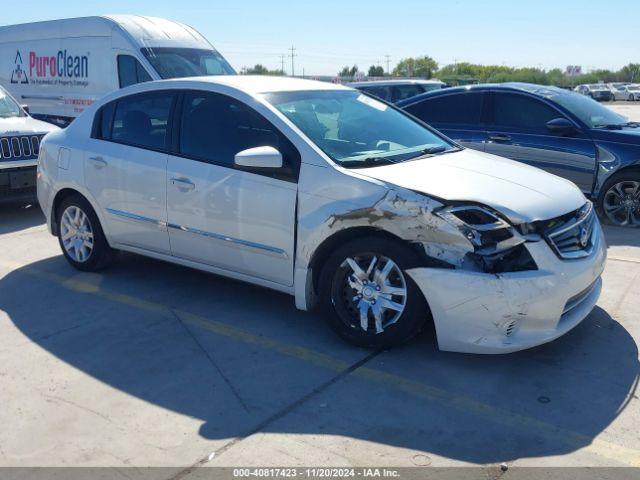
[332, 196]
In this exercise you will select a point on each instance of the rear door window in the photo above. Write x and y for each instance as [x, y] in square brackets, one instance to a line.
[454, 109]
[131, 71]
[517, 111]
[141, 120]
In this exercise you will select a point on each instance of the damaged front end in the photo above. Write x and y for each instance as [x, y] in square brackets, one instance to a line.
[497, 246]
[493, 285]
[511, 290]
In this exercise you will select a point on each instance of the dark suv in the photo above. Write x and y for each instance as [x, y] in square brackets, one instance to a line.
[560, 131]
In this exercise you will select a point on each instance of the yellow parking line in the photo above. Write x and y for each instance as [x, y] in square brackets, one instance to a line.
[602, 448]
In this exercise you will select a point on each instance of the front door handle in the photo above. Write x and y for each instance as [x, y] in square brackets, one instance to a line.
[500, 137]
[98, 162]
[183, 184]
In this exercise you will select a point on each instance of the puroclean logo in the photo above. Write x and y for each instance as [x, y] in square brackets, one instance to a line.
[61, 69]
[61, 65]
[19, 75]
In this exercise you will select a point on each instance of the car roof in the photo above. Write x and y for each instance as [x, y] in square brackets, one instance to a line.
[384, 83]
[248, 84]
[255, 84]
[540, 90]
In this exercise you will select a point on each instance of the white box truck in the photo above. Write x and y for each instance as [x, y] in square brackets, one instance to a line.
[57, 68]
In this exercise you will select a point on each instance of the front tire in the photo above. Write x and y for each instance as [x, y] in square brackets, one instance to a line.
[619, 202]
[367, 296]
[81, 237]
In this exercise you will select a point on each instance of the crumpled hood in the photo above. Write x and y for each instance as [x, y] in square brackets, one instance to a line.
[24, 125]
[521, 192]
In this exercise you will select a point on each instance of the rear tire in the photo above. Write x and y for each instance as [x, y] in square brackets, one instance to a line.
[381, 307]
[81, 237]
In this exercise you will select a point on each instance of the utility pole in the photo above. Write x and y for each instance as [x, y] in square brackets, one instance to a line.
[293, 55]
[282, 57]
[388, 60]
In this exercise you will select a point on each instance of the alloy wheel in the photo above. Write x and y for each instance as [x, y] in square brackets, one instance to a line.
[622, 203]
[76, 234]
[374, 291]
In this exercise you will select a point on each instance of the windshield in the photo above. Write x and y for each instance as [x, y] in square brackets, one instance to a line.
[633, 88]
[356, 130]
[598, 87]
[187, 62]
[8, 106]
[588, 110]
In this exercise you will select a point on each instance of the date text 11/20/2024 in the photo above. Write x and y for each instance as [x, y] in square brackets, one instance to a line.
[315, 473]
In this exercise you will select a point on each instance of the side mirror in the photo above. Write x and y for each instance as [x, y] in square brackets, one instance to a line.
[25, 108]
[259, 157]
[561, 126]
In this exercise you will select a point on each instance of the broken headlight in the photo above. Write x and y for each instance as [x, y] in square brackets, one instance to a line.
[497, 245]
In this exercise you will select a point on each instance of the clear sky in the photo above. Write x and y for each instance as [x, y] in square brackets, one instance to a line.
[329, 34]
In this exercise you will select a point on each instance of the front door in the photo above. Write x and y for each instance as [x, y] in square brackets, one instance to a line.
[231, 218]
[518, 131]
[126, 170]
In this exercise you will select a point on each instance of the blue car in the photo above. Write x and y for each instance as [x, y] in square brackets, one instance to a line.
[560, 131]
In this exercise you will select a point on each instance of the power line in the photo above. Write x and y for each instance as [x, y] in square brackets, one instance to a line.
[282, 57]
[388, 60]
[293, 55]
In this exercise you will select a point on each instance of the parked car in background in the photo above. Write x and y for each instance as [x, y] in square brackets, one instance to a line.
[57, 68]
[395, 90]
[322, 192]
[562, 132]
[629, 92]
[597, 91]
[20, 137]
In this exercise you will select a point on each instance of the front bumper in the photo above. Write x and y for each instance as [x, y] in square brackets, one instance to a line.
[17, 183]
[476, 312]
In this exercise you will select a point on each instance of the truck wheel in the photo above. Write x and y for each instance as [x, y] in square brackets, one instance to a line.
[619, 201]
[81, 237]
[367, 296]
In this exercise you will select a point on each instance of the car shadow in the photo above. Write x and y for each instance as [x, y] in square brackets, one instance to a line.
[19, 216]
[620, 236]
[234, 356]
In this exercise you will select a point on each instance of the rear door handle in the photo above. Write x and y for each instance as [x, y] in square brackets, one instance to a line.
[183, 184]
[500, 138]
[98, 162]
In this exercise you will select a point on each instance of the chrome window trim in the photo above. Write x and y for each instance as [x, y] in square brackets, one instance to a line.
[267, 249]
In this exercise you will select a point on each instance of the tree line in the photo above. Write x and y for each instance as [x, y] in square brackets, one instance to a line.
[461, 73]
[464, 73]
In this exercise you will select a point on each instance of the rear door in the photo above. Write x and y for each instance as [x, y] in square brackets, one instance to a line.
[236, 219]
[517, 130]
[126, 169]
[458, 115]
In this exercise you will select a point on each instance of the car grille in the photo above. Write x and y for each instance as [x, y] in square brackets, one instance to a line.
[573, 236]
[20, 147]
